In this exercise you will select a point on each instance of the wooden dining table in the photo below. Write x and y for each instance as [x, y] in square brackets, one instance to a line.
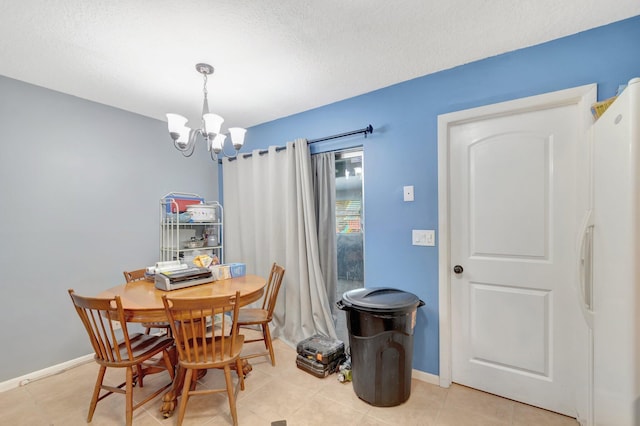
[142, 303]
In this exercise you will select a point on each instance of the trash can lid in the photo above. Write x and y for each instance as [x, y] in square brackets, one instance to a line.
[381, 299]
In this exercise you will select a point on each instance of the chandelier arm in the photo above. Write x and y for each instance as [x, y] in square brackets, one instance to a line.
[188, 151]
[235, 154]
[189, 148]
[185, 154]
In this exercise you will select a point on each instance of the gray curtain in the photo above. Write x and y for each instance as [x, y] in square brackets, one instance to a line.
[269, 216]
[324, 188]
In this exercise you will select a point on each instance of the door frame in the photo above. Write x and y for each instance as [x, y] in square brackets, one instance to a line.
[582, 96]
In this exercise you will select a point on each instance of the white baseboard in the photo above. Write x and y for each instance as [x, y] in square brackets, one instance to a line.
[426, 377]
[59, 368]
[41, 374]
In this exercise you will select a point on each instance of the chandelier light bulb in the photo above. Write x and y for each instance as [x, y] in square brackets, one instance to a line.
[212, 123]
[217, 142]
[175, 123]
[237, 137]
[183, 137]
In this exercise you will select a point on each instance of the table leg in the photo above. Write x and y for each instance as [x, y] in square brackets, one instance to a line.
[170, 399]
[246, 367]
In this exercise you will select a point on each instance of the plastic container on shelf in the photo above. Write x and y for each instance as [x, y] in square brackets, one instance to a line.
[177, 202]
[202, 212]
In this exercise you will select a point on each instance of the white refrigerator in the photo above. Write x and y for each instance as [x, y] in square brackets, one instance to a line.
[610, 263]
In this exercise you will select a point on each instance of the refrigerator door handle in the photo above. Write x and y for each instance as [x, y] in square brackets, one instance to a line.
[585, 269]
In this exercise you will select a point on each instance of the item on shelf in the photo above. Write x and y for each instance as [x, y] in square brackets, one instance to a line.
[178, 202]
[179, 217]
[194, 243]
[202, 212]
[212, 241]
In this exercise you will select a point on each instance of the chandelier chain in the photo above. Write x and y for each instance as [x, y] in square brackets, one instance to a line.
[204, 88]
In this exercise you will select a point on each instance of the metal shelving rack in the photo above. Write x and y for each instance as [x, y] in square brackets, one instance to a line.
[175, 231]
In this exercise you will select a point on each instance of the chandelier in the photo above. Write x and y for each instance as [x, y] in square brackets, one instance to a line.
[184, 138]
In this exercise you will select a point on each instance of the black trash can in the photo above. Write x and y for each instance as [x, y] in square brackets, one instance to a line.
[380, 323]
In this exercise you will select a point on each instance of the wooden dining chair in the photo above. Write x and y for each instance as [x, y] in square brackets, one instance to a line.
[249, 317]
[139, 275]
[199, 326]
[114, 348]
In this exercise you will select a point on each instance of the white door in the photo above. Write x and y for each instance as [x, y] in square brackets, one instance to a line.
[513, 209]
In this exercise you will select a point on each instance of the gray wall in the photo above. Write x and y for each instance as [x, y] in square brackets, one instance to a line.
[80, 189]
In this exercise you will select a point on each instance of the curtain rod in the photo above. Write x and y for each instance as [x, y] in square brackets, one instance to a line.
[365, 131]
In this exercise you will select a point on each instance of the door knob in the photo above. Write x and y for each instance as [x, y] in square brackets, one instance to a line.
[458, 269]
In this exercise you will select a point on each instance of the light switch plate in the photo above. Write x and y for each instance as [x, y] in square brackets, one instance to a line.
[422, 237]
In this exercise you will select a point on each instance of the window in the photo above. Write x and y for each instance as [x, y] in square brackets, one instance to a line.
[349, 228]
[349, 217]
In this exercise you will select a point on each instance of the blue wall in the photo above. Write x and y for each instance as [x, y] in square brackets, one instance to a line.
[403, 148]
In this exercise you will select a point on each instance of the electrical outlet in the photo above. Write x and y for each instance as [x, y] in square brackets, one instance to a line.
[408, 193]
[116, 325]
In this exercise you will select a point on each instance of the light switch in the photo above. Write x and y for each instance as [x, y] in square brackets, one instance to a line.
[421, 237]
[431, 237]
[408, 193]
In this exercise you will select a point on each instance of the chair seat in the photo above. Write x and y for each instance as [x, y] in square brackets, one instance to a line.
[142, 346]
[249, 316]
[200, 358]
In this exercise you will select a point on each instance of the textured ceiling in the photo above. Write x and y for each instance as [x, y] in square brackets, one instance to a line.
[273, 58]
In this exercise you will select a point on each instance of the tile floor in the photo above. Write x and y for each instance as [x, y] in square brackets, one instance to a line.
[275, 393]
